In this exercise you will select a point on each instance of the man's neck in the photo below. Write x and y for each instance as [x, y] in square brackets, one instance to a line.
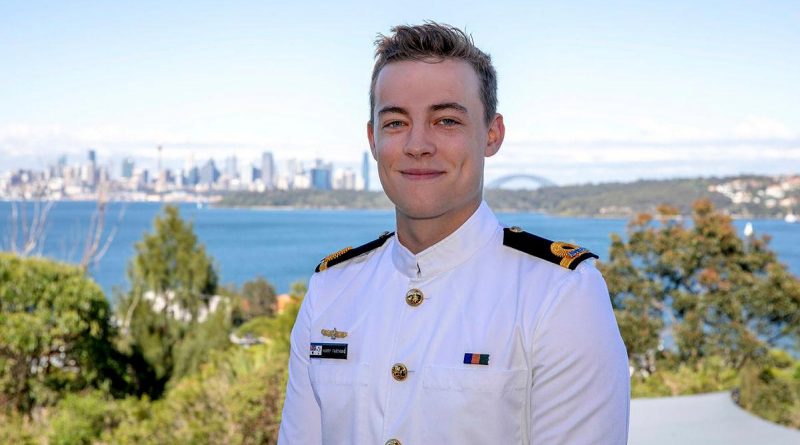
[417, 235]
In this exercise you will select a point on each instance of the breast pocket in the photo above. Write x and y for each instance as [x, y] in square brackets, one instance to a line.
[341, 391]
[482, 405]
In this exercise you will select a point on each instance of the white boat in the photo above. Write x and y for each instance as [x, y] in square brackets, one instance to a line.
[748, 229]
[790, 218]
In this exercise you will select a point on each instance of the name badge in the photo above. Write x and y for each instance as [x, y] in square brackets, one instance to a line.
[329, 350]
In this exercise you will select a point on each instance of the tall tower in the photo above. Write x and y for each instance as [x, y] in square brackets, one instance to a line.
[365, 170]
[127, 167]
[231, 167]
[90, 173]
[161, 179]
[267, 170]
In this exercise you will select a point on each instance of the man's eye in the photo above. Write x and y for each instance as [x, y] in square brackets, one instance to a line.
[393, 124]
[447, 122]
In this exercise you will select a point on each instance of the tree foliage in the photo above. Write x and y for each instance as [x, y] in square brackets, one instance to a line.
[172, 260]
[234, 398]
[55, 335]
[258, 298]
[701, 287]
[172, 282]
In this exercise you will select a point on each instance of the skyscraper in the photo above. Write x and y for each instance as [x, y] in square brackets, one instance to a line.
[209, 173]
[61, 166]
[90, 172]
[193, 176]
[365, 170]
[127, 168]
[321, 175]
[267, 169]
[231, 167]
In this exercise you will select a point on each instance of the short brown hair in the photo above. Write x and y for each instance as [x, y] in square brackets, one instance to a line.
[436, 41]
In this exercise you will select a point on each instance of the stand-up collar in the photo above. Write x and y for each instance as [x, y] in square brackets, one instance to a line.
[448, 253]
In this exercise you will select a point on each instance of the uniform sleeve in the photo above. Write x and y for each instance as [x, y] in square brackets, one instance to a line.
[301, 423]
[581, 385]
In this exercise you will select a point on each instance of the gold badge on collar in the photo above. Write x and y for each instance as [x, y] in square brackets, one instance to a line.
[333, 334]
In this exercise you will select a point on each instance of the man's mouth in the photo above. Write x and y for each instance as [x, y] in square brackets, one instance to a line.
[421, 173]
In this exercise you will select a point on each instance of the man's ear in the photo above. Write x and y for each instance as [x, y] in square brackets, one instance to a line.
[371, 138]
[497, 131]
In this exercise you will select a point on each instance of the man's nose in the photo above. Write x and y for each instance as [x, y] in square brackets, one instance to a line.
[419, 142]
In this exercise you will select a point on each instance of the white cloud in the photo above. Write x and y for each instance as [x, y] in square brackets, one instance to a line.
[649, 149]
[758, 127]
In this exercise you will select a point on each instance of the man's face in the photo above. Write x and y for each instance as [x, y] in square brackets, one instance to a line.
[430, 138]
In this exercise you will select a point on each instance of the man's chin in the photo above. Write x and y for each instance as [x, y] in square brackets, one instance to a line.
[420, 212]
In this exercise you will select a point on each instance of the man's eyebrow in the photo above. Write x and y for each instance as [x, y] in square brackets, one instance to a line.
[392, 109]
[450, 106]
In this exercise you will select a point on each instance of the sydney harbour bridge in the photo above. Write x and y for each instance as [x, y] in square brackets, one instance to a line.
[520, 180]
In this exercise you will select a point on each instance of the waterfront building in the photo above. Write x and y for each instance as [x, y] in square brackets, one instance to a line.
[365, 162]
[127, 168]
[193, 176]
[321, 177]
[231, 167]
[209, 173]
[267, 170]
[301, 181]
[249, 175]
[344, 180]
[89, 172]
[180, 179]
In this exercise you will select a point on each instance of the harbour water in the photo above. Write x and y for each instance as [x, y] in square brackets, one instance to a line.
[284, 245]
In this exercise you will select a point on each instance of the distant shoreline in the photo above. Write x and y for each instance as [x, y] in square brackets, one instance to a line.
[741, 197]
[268, 207]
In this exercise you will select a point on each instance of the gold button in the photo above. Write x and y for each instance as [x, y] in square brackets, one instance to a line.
[516, 229]
[399, 372]
[414, 297]
[393, 442]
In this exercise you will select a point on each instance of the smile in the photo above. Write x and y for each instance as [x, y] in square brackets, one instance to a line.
[415, 174]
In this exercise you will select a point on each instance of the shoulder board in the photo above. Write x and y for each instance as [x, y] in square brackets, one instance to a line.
[564, 254]
[349, 253]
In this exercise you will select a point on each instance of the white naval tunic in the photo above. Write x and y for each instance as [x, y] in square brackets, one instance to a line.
[557, 369]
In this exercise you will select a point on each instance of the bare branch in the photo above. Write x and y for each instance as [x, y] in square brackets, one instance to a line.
[33, 230]
[14, 226]
[93, 252]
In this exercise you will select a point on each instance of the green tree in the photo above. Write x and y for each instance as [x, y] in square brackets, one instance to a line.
[55, 335]
[713, 292]
[772, 389]
[172, 283]
[258, 298]
[172, 261]
[234, 398]
[80, 418]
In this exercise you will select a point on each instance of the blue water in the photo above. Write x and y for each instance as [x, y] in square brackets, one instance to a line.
[284, 246]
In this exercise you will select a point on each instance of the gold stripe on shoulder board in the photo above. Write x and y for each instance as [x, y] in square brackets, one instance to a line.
[567, 252]
[324, 263]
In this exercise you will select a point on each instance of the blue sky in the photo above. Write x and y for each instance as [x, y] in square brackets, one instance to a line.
[590, 91]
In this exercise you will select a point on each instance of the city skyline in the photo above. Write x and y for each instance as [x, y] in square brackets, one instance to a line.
[591, 92]
[195, 180]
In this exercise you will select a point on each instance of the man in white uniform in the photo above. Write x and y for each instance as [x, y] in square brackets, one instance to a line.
[455, 330]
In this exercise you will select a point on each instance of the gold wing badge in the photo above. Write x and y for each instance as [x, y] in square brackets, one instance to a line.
[333, 334]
